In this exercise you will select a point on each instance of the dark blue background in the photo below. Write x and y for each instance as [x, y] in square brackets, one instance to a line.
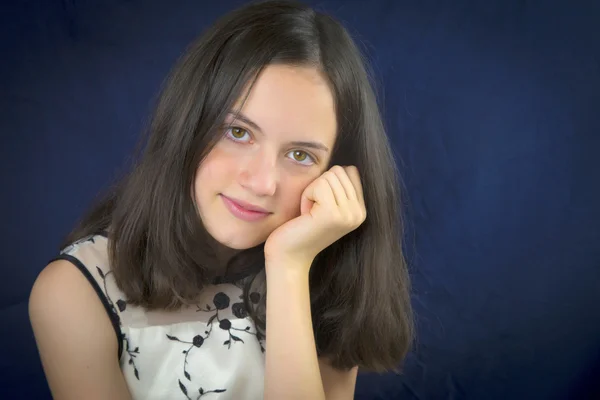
[493, 108]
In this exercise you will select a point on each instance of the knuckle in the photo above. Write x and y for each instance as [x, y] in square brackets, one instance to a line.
[327, 175]
[322, 182]
[359, 217]
[336, 169]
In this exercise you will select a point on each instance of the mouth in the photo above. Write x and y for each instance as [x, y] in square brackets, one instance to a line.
[243, 210]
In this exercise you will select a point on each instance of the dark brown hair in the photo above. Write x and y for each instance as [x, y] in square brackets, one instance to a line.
[160, 253]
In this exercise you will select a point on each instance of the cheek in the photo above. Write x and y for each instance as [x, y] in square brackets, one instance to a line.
[292, 194]
[206, 171]
[216, 170]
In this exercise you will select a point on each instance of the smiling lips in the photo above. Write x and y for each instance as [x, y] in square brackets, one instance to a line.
[243, 210]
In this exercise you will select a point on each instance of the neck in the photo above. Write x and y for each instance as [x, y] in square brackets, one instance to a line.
[222, 253]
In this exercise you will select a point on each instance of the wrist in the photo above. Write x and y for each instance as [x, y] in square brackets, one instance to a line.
[287, 266]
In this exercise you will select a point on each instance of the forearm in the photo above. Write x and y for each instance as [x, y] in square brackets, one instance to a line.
[291, 366]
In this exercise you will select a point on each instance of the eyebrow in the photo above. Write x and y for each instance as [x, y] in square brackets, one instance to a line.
[308, 144]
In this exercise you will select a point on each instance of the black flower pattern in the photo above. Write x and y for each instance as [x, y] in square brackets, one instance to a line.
[132, 355]
[226, 314]
[200, 391]
[197, 341]
[121, 305]
[221, 302]
[254, 297]
[239, 310]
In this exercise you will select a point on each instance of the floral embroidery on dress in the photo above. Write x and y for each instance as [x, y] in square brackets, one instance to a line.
[227, 315]
[132, 354]
[122, 306]
[200, 391]
[221, 302]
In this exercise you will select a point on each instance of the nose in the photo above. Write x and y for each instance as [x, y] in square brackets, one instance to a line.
[259, 174]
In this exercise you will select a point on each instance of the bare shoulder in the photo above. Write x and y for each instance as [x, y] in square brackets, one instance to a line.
[61, 296]
[75, 338]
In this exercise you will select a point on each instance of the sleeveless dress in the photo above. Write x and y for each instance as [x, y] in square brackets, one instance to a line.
[211, 350]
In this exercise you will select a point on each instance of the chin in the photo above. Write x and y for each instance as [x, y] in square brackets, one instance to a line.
[240, 243]
[242, 247]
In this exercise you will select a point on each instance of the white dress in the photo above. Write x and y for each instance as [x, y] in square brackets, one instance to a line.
[209, 351]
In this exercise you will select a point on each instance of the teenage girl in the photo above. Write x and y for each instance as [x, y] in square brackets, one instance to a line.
[266, 166]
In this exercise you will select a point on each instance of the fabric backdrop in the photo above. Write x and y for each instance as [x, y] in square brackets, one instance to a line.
[493, 110]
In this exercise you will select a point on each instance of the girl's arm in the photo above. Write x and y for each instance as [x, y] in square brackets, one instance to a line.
[76, 341]
[292, 369]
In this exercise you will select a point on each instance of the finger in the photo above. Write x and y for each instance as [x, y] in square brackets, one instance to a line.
[307, 198]
[354, 177]
[345, 181]
[339, 192]
[320, 193]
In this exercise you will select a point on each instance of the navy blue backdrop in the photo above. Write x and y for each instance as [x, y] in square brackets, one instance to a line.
[493, 109]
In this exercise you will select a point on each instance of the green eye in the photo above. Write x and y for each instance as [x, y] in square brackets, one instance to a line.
[238, 133]
[300, 155]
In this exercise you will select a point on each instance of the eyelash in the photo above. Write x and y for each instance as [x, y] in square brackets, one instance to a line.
[229, 137]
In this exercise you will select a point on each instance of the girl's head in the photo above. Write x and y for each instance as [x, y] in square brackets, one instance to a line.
[258, 107]
[277, 138]
[254, 112]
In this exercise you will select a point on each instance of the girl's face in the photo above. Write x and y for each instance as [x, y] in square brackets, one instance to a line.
[280, 142]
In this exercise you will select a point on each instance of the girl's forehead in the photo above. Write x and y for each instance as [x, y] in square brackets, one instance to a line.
[294, 100]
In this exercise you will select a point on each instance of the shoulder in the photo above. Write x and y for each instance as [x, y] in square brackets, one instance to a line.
[62, 287]
[72, 330]
[63, 301]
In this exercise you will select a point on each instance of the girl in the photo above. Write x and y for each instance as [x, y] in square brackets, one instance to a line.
[267, 166]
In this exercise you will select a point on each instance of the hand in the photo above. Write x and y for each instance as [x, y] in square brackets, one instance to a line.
[330, 207]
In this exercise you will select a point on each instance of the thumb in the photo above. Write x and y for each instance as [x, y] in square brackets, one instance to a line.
[307, 200]
[306, 204]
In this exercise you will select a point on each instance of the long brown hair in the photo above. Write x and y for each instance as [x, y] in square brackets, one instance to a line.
[159, 250]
